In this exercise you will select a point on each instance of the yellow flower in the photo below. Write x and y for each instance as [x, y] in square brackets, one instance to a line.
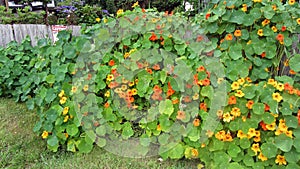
[278, 132]
[274, 7]
[135, 4]
[235, 86]
[196, 96]
[45, 134]
[227, 117]
[244, 8]
[262, 157]
[132, 50]
[124, 87]
[63, 100]
[61, 94]
[280, 160]
[120, 12]
[66, 135]
[66, 118]
[65, 111]
[289, 133]
[236, 112]
[265, 22]
[249, 42]
[239, 93]
[110, 77]
[251, 133]
[280, 86]
[260, 32]
[209, 133]
[98, 19]
[241, 81]
[241, 135]
[85, 88]
[194, 152]
[105, 20]
[107, 93]
[298, 21]
[130, 84]
[74, 89]
[271, 126]
[274, 29]
[126, 55]
[292, 2]
[134, 92]
[255, 148]
[256, 139]
[276, 96]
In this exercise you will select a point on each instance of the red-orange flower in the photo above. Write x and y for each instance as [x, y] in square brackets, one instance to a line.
[113, 71]
[187, 99]
[106, 105]
[203, 107]
[157, 89]
[283, 28]
[89, 77]
[175, 101]
[199, 38]
[153, 37]
[149, 71]
[205, 82]
[111, 63]
[263, 55]
[232, 100]
[280, 37]
[267, 107]
[207, 16]
[143, 10]
[263, 125]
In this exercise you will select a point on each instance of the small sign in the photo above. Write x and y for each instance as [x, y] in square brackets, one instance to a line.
[55, 29]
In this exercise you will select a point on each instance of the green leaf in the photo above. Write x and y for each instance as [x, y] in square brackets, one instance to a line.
[248, 160]
[221, 157]
[176, 152]
[234, 165]
[166, 107]
[101, 130]
[268, 118]
[207, 91]
[295, 63]
[101, 142]
[233, 150]
[71, 146]
[52, 140]
[235, 51]
[72, 129]
[291, 121]
[85, 147]
[258, 108]
[127, 131]
[283, 142]
[50, 79]
[269, 150]
[292, 156]
[245, 143]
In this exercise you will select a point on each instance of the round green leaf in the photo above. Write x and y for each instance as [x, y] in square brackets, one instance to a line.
[72, 129]
[269, 150]
[283, 142]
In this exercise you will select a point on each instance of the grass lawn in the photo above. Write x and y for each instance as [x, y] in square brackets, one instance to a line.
[20, 147]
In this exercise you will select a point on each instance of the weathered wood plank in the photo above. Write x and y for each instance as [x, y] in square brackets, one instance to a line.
[35, 32]
[6, 34]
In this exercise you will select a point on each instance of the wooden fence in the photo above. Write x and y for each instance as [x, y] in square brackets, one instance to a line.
[18, 32]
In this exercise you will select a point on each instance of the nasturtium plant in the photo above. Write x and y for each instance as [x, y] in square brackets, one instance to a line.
[222, 87]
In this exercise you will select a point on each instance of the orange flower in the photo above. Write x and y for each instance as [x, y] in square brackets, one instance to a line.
[267, 107]
[199, 38]
[232, 100]
[263, 125]
[157, 89]
[292, 72]
[170, 92]
[283, 28]
[237, 33]
[280, 37]
[200, 69]
[106, 105]
[203, 107]
[153, 37]
[205, 82]
[249, 104]
[175, 101]
[228, 37]
[263, 55]
[89, 77]
[143, 10]
[111, 63]
[149, 71]
[156, 67]
[196, 122]
[207, 16]
[180, 115]
[187, 99]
